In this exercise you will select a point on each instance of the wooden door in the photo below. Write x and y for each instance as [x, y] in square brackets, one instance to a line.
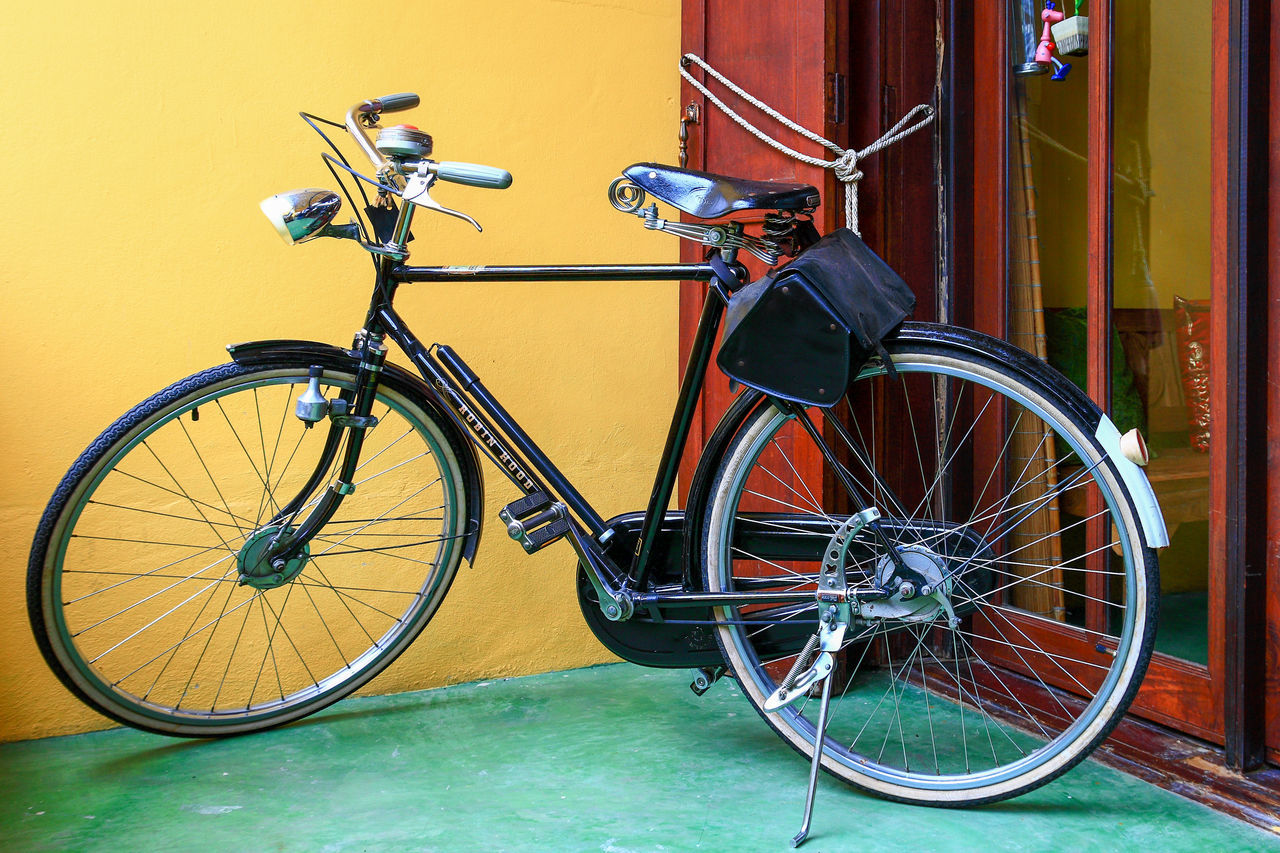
[1165, 264]
[784, 54]
[1269, 571]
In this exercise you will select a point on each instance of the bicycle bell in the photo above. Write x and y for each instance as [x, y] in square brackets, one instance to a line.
[403, 140]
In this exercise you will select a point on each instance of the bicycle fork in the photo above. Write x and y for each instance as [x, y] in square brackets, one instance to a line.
[352, 416]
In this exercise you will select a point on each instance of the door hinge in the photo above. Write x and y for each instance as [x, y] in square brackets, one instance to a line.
[835, 96]
[692, 115]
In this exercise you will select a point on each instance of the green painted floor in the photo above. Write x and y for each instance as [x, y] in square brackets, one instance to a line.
[613, 758]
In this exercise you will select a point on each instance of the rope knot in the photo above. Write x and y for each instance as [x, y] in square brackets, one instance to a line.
[845, 164]
[846, 167]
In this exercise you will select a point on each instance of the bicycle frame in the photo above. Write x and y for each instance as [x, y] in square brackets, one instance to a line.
[497, 431]
[498, 435]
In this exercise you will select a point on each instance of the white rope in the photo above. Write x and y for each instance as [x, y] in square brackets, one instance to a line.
[845, 164]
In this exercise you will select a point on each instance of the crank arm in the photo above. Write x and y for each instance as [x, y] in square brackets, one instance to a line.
[614, 604]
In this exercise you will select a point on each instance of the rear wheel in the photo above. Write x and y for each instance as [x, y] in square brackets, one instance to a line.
[148, 589]
[1000, 497]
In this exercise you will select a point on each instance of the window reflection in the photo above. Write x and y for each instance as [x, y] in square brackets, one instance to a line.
[1161, 256]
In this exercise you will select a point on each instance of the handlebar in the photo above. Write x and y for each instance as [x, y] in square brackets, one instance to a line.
[473, 175]
[365, 114]
[390, 103]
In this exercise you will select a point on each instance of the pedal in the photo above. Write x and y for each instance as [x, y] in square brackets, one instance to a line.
[524, 507]
[539, 538]
[535, 522]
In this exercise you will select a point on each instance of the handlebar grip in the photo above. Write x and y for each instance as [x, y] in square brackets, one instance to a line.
[475, 175]
[395, 103]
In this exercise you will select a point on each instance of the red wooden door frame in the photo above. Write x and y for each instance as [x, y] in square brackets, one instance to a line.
[1271, 583]
[1176, 693]
[770, 51]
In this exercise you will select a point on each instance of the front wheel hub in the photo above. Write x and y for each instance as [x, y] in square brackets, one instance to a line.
[256, 567]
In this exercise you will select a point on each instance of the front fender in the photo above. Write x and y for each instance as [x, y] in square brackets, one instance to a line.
[291, 352]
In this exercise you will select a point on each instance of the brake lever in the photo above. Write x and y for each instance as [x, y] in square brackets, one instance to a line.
[416, 191]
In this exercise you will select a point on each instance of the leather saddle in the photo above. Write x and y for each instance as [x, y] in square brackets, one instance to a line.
[709, 196]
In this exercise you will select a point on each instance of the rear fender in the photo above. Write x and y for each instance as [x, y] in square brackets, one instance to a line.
[956, 338]
[1068, 397]
[699, 498]
[290, 352]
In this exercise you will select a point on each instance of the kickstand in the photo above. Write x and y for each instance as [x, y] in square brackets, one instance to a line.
[819, 739]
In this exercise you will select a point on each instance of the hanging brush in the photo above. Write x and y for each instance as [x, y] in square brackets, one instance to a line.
[1072, 34]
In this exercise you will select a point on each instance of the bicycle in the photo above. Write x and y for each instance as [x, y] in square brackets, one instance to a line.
[260, 539]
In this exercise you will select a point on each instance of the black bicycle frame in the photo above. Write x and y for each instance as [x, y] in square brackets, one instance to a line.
[496, 431]
[515, 453]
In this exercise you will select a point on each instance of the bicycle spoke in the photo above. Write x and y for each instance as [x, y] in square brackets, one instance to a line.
[236, 518]
[185, 494]
[213, 591]
[155, 594]
[159, 514]
[212, 480]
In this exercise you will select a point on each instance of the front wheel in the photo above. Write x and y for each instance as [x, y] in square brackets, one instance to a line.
[1040, 609]
[147, 588]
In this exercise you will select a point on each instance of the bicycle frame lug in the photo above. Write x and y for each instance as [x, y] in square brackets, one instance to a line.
[354, 421]
[625, 607]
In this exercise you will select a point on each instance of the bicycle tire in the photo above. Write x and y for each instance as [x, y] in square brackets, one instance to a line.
[1003, 713]
[135, 585]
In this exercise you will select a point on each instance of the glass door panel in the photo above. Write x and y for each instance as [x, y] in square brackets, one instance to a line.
[1161, 285]
[1157, 338]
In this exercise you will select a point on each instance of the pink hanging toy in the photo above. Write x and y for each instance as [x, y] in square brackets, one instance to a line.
[1050, 16]
[1044, 52]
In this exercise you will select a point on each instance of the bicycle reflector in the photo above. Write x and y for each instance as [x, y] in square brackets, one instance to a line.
[301, 215]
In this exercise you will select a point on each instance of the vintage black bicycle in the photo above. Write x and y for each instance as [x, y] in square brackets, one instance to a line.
[879, 574]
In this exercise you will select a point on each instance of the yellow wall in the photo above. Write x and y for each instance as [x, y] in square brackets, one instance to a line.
[139, 138]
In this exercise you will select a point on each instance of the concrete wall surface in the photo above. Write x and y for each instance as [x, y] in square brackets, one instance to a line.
[139, 139]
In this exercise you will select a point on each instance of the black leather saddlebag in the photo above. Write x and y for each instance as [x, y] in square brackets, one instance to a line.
[804, 329]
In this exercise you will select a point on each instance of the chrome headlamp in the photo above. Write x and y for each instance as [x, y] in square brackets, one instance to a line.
[301, 215]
